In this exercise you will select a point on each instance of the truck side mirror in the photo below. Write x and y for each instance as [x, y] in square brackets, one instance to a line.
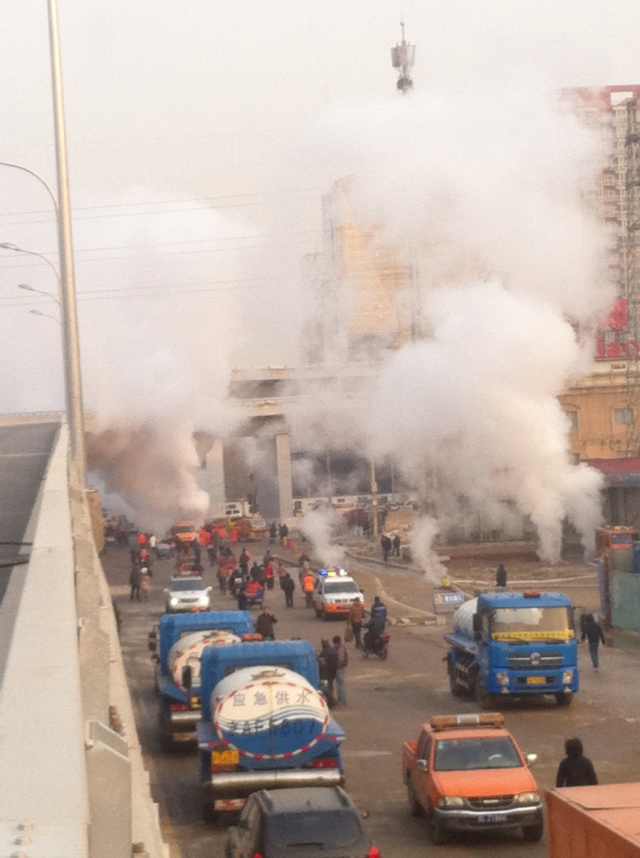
[186, 677]
[422, 765]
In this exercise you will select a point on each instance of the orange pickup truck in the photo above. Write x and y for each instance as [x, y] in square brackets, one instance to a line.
[467, 773]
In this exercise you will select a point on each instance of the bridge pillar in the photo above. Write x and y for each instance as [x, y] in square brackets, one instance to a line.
[284, 473]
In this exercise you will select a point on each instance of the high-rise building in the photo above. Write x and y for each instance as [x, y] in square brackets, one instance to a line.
[367, 304]
[614, 112]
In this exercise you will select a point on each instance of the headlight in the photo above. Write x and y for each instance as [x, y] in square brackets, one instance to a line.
[567, 677]
[173, 602]
[204, 600]
[528, 798]
[451, 801]
[502, 678]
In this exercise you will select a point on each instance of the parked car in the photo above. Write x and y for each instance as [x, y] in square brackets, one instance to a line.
[313, 822]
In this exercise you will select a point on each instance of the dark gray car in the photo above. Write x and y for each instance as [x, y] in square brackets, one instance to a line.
[313, 822]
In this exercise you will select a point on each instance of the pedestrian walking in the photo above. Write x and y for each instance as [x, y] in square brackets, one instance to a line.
[308, 586]
[288, 586]
[356, 617]
[273, 533]
[134, 582]
[153, 545]
[328, 667]
[385, 544]
[265, 623]
[501, 576]
[342, 657]
[284, 533]
[243, 602]
[575, 769]
[243, 560]
[592, 632]
[145, 583]
[269, 574]
[281, 571]
[396, 545]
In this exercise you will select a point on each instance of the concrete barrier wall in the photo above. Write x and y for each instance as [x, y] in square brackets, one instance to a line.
[72, 779]
[42, 756]
[625, 601]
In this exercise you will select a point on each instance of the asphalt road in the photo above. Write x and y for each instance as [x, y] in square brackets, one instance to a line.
[387, 703]
[24, 453]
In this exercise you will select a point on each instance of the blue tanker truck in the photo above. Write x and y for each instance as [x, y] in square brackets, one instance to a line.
[176, 645]
[514, 645]
[265, 723]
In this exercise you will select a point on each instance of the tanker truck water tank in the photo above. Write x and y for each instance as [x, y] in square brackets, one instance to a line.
[463, 618]
[187, 651]
[269, 712]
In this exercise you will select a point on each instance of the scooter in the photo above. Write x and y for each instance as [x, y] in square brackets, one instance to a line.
[379, 646]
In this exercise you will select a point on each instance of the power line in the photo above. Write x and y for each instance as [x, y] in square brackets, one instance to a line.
[186, 207]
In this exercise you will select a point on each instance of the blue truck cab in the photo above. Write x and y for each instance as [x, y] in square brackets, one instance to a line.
[180, 709]
[508, 644]
[264, 724]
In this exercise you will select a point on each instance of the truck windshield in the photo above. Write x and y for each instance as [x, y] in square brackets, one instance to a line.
[340, 587]
[460, 755]
[531, 624]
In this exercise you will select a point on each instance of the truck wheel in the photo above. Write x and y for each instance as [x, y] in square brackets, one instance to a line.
[533, 833]
[437, 831]
[415, 808]
[564, 699]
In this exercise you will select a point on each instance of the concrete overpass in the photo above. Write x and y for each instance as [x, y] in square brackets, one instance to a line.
[73, 782]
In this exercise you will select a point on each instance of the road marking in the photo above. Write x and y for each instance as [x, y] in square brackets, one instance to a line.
[22, 455]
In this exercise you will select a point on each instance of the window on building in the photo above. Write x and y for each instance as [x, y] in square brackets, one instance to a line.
[623, 416]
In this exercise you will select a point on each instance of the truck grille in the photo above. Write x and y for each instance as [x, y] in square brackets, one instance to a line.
[521, 662]
[497, 802]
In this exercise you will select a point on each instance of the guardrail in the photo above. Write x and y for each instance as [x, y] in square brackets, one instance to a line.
[73, 782]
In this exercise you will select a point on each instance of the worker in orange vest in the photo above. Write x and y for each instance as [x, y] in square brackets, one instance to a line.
[308, 586]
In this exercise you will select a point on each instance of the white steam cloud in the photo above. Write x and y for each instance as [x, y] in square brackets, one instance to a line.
[320, 526]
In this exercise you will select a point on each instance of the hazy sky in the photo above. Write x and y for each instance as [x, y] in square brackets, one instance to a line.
[197, 125]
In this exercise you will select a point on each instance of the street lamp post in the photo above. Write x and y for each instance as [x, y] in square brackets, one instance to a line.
[70, 336]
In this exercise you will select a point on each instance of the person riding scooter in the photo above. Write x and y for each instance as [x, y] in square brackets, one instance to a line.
[374, 636]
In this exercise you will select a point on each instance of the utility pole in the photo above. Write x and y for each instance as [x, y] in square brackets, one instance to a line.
[403, 57]
[70, 336]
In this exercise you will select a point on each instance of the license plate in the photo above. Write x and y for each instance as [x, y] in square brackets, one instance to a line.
[492, 818]
[230, 757]
[536, 680]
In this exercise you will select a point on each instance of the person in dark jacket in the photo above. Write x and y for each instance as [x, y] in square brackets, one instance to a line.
[242, 598]
[135, 580]
[265, 625]
[575, 769]
[385, 544]
[501, 576]
[328, 667]
[396, 545]
[288, 586]
[592, 631]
